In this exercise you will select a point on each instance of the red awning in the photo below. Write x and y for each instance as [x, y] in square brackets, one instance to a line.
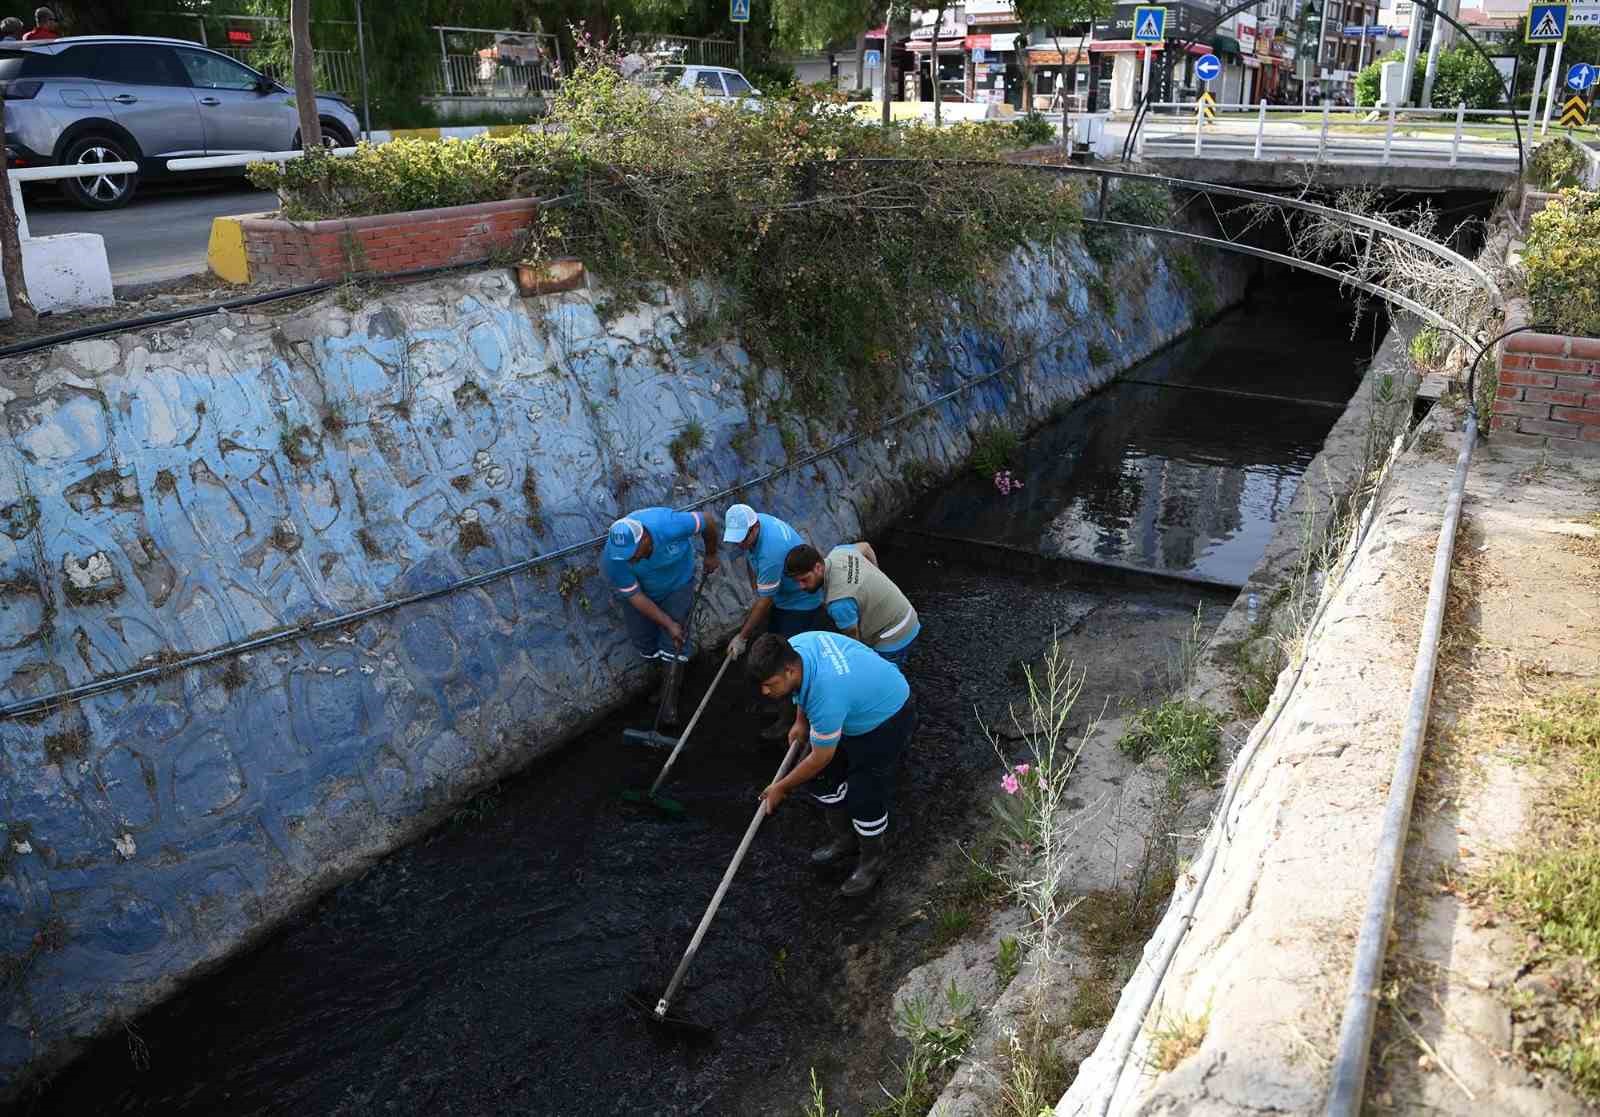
[877, 32]
[953, 46]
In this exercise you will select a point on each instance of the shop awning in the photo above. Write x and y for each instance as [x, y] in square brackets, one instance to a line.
[1050, 56]
[1227, 44]
[1124, 46]
[1251, 62]
[946, 46]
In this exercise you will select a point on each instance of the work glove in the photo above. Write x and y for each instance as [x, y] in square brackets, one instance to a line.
[737, 645]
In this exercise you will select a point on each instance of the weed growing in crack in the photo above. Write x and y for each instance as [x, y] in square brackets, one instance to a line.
[1175, 1038]
[816, 1105]
[690, 439]
[940, 1033]
[1186, 735]
[1008, 961]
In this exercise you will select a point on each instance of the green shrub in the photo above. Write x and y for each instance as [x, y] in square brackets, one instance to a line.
[1033, 129]
[1556, 164]
[1427, 348]
[994, 448]
[1461, 74]
[1562, 255]
[1184, 734]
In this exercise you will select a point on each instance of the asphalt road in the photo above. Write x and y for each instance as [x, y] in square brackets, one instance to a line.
[161, 234]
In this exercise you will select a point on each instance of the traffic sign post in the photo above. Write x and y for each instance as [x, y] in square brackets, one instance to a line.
[1580, 76]
[1547, 23]
[739, 12]
[1555, 80]
[1538, 83]
[1149, 28]
[1575, 113]
[1208, 67]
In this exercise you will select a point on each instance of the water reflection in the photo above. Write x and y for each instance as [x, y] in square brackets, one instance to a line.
[1173, 478]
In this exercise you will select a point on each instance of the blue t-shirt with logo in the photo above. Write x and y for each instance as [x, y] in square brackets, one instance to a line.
[846, 688]
[670, 566]
[773, 545]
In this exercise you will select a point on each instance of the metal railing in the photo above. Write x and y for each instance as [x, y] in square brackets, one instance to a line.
[681, 50]
[335, 71]
[19, 175]
[496, 63]
[1264, 131]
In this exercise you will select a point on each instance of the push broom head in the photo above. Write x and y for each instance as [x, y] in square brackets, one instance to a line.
[669, 807]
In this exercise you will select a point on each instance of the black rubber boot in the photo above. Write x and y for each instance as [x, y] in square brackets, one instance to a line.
[669, 696]
[842, 842]
[874, 855]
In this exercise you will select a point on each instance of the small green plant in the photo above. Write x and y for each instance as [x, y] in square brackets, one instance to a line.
[1427, 351]
[1103, 295]
[690, 439]
[950, 924]
[1008, 961]
[1033, 130]
[478, 808]
[780, 964]
[1186, 735]
[943, 1031]
[1098, 354]
[994, 448]
[817, 1106]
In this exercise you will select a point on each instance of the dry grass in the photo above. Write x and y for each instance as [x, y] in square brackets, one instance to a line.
[1175, 1038]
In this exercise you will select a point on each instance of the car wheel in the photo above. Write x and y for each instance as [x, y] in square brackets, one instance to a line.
[99, 191]
[334, 135]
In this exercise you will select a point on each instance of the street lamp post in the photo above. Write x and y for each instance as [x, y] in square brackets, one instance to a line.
[1310, 21]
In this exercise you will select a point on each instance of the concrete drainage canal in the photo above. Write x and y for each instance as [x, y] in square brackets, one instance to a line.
[482, 968]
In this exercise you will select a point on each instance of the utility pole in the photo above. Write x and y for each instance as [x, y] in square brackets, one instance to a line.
[1440, 38]
[361, 46]
[1413, 41]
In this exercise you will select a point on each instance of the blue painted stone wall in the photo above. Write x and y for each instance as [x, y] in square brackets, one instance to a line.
[197, 485]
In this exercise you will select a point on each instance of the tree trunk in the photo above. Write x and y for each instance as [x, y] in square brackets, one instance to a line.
[305, 94]
[861, 60]
[11, 245]
[933, 64]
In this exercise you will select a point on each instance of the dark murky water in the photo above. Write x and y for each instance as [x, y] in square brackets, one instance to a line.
[482, 970]
[1190, 477]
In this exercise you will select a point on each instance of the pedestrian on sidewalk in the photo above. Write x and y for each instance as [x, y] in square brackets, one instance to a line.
[649, 561]
[860, 599]
[781, 605]
[45, 26]
[855, 710]
[10, 29]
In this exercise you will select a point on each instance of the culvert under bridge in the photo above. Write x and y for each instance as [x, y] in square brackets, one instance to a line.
[481, 968]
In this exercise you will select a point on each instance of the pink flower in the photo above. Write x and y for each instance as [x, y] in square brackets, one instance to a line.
[1009, 784]
[1021, 769]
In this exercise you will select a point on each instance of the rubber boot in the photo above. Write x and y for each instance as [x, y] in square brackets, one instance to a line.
[669, 696]
[842, 842]
[874, 855]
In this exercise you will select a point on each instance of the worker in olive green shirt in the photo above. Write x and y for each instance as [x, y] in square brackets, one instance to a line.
[860, 599]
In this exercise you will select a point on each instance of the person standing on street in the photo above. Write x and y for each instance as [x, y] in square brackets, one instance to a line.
[45, 26]
[10, 29]
[860, 599]
[855, 709]
[649, 561]
[781, 605]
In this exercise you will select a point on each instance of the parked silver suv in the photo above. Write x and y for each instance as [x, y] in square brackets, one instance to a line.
[109, 98]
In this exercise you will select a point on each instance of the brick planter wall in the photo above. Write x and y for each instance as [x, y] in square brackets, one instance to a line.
[1549, 393]
[309, 251]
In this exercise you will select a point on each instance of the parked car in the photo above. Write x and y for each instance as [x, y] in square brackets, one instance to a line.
[719, 82]
[111, 98]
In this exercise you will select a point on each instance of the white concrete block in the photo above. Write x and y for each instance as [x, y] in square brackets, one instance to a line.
[64, 272]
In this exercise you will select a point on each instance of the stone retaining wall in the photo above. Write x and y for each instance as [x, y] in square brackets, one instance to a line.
[204, 483]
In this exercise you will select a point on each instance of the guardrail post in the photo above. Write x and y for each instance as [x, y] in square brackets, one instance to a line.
[1388, 136]
[1199, 124]
[1261, 126]
[1455, 146]
[1322, 142]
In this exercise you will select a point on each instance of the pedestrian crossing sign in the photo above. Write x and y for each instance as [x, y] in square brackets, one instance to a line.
[739, 11]
[1149, 23]
[1574, 113]
[1547, 23]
